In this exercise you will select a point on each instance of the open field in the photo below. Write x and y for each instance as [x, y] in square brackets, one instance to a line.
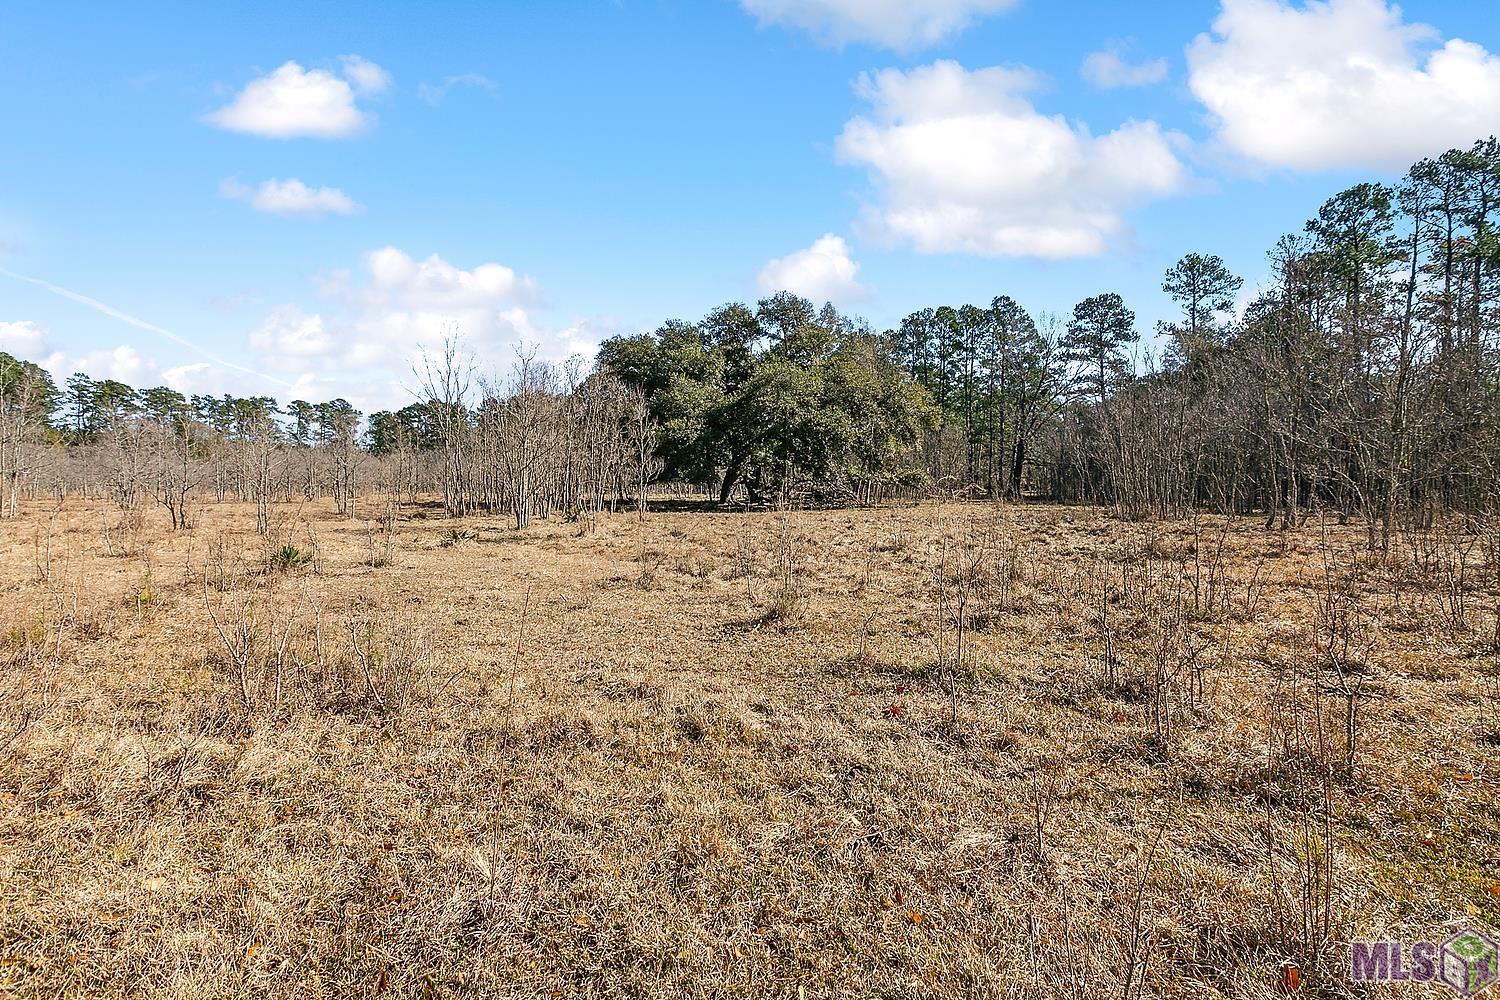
[955, 750]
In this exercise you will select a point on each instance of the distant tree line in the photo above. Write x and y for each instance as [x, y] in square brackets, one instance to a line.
[104, 437]
[1364, 378]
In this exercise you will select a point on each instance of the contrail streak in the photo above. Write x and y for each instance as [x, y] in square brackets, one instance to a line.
[141, 324]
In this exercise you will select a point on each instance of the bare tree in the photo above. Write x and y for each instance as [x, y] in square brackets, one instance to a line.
[179, 469]
[444, 388]
[641, 431]
[528, 433]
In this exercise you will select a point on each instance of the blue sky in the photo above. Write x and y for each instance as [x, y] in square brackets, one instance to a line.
[553, 173]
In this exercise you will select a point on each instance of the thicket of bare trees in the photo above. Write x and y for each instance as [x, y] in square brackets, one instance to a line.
[105, 439]
[26, 402]
[540, 441]
[1364, 378]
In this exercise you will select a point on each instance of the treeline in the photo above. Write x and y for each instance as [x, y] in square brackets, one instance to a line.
[1363, 378]
[103, 437]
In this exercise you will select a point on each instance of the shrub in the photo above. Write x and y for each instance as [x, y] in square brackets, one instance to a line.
[289, 558]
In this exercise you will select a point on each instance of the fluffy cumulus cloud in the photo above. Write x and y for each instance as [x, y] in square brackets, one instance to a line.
[289, 335]
[292, 102]
[203, 379]
[28, 341]
[364, 76]
[1110, 68]
[1341, 83]
[123, 364]
[963, 162]
[292, 197]
[375, 322]
[823, 272]
[895, 24]
[21, 338]
[397, 280]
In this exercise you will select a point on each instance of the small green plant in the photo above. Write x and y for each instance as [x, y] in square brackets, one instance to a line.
[145, 597]
[289, 558]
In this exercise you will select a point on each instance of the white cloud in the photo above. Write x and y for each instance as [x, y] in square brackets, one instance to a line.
[582, 338]
[1342, 83]
[123, 364]
[434, 93]
[402, 302]
[399, 280]
[292, 197]
[292, 102]
[823, 272]
[202, 379]
[395, 305]
[366, 77]
[373, 323]
[21, 338]
[1108, 68]
[964, 163]
[895, 24]
[289, 334]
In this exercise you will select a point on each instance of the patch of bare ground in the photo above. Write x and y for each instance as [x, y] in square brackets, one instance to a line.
[942, 751]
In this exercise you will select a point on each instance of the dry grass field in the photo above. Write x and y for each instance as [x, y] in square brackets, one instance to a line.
[934, 751]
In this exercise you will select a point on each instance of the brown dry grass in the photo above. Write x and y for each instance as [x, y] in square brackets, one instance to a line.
[717, 755]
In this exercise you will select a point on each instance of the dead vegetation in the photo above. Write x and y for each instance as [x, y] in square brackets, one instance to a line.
[957, 750]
